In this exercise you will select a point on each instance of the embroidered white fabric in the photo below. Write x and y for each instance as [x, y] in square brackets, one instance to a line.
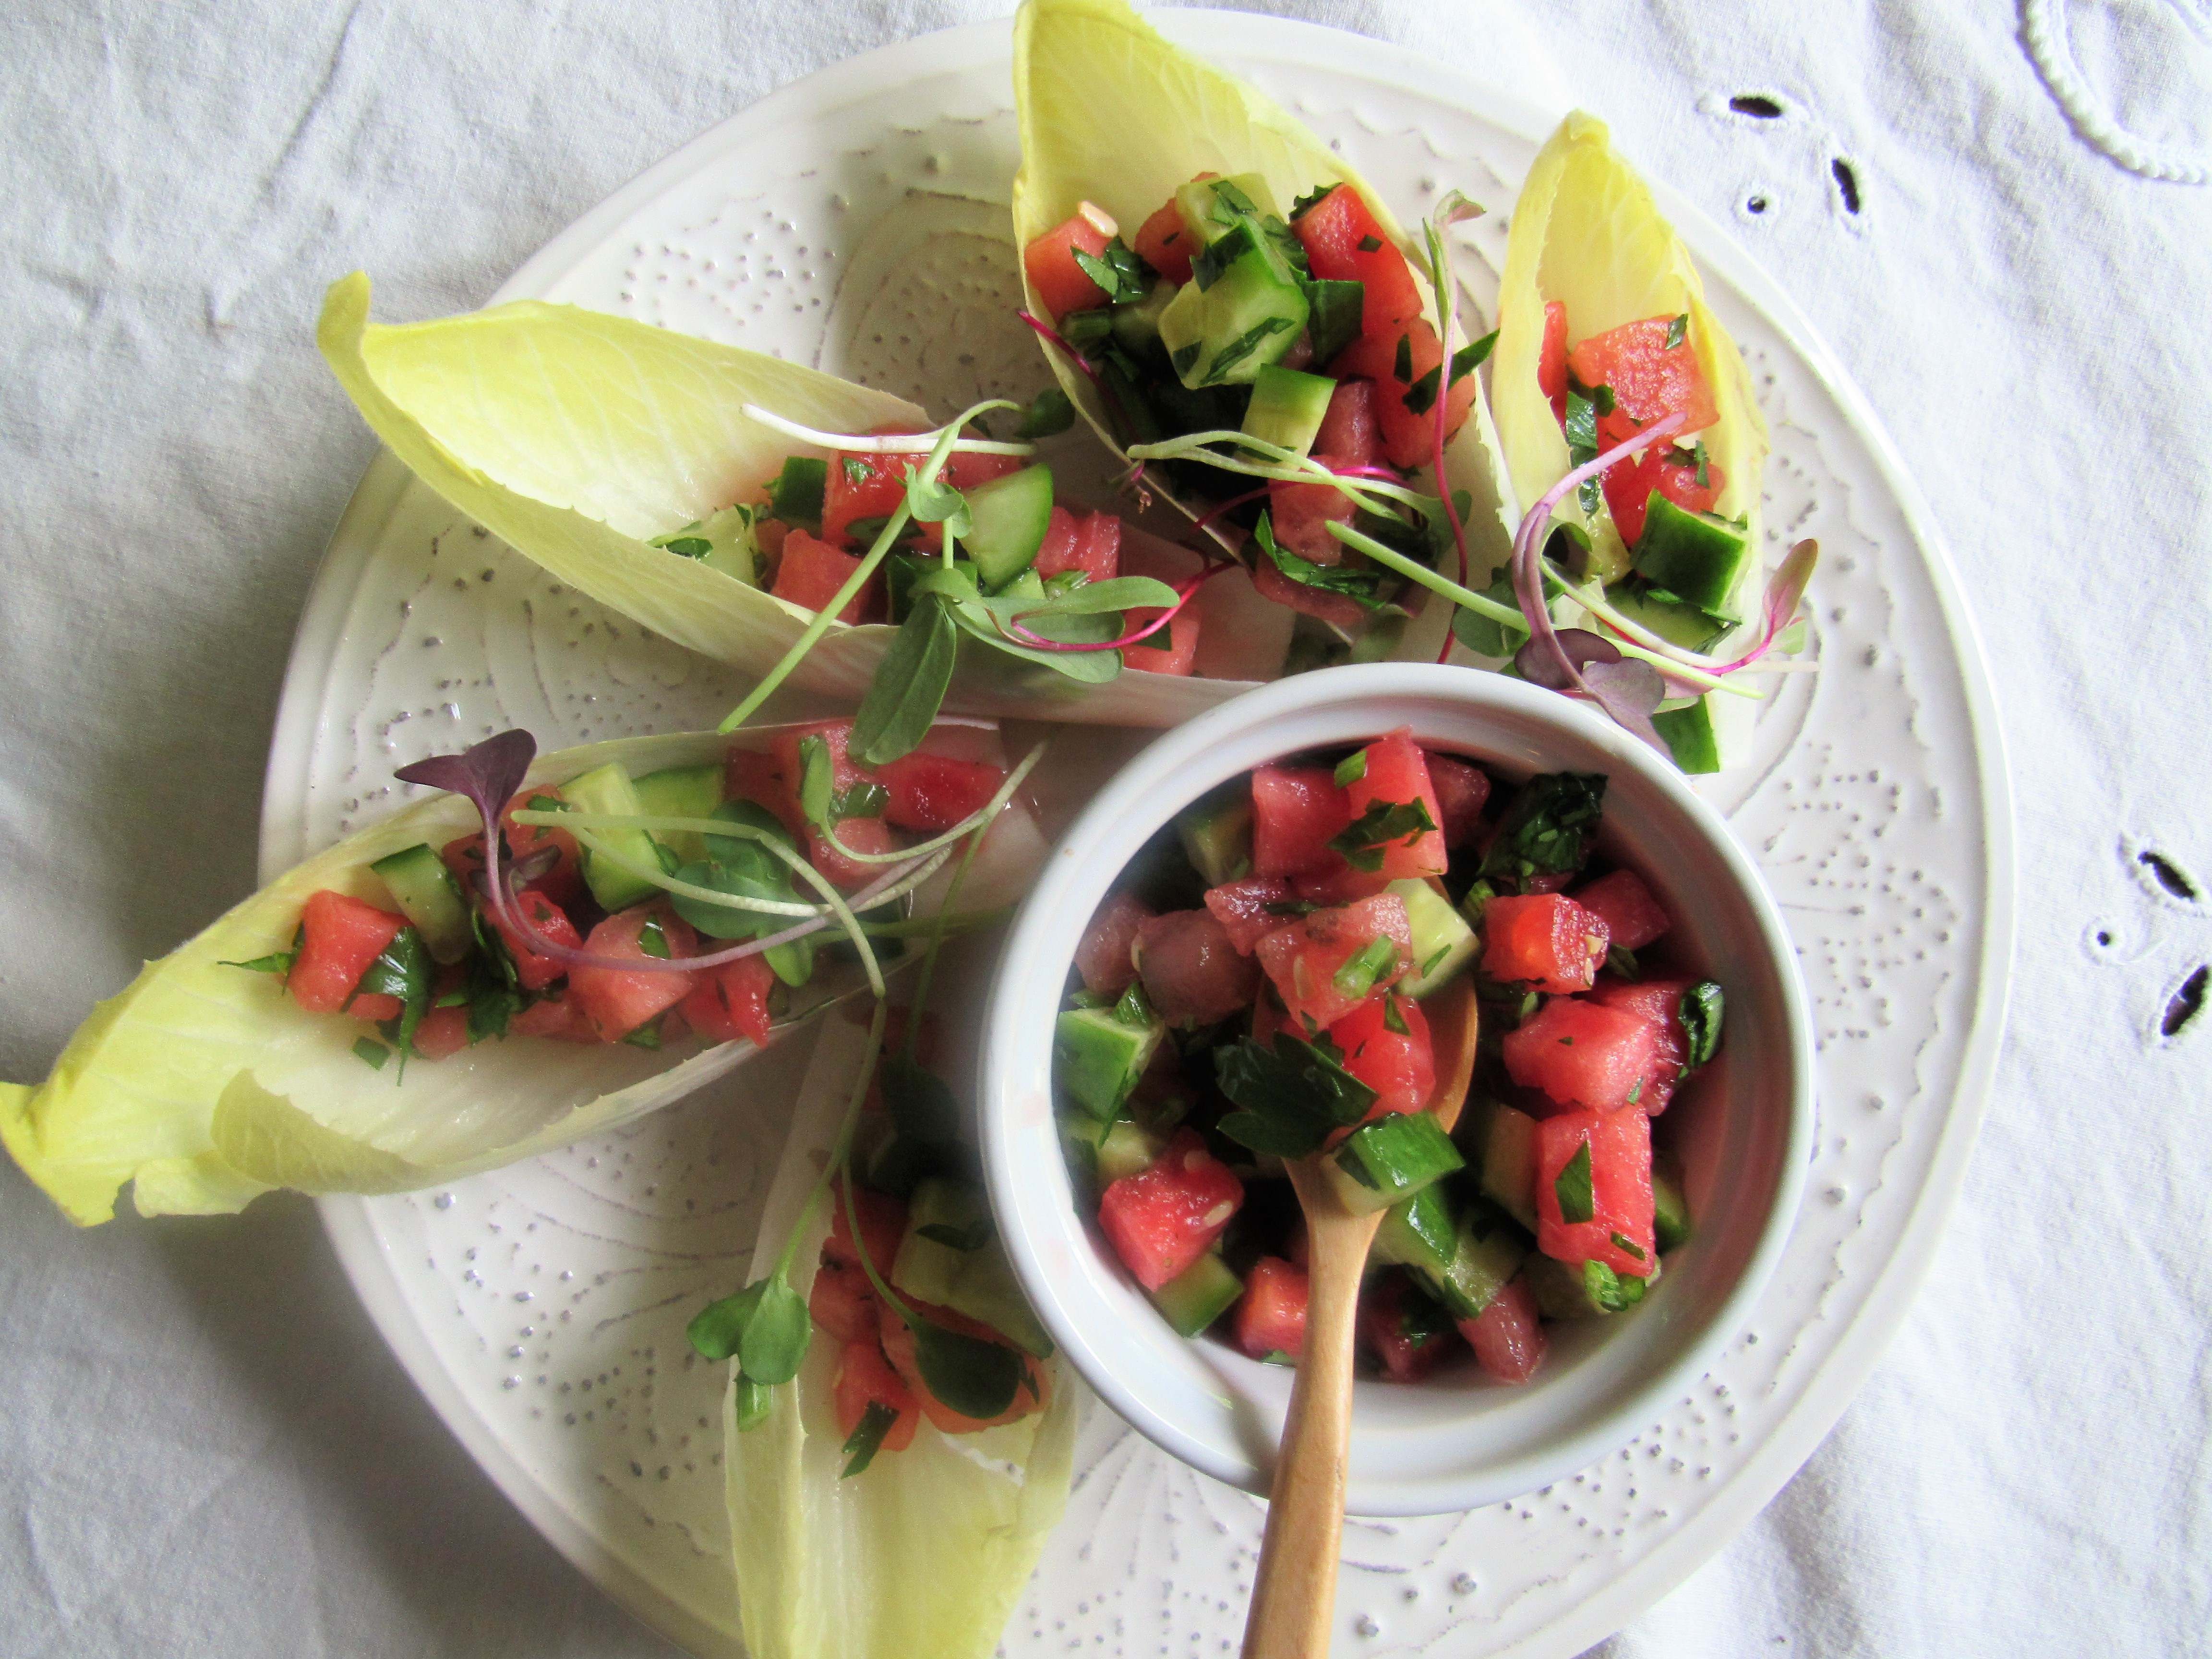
[209, 1452]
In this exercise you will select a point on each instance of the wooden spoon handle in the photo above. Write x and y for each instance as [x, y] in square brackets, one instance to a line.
[1294, 1597]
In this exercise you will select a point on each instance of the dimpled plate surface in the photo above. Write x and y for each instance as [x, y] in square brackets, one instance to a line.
[855, 219]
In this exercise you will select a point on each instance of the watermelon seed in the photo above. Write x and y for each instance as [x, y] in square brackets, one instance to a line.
[2186, 1003]
[2168, 874]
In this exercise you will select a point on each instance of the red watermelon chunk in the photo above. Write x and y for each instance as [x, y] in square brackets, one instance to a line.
[1650, 378]
[843, 1303]
[534, 970]
[1397, 773]
[1272, 1317]
[1629, 485]
[1631, 916]
[1508, 1336]
[1582, 1054]
[1544, 939]
[882, 1224]
[1463, 791]
[556, 1017]
[564, 883]
[1250, 909]
[1658, 1003]
[442, 1031]
[1102, 957]
[1173, 650]
[812, 572]
[1299, 515]
[1399, 1066]
[1062, 285]
[1348, 432]
[1091, 544]
[932, 793]
[1345, 244]
[865, 1378]
[1304, 959]
[1161, 1219]
[1407, 1355]
[615, 1003]
[1340, 886]
[1191, 970]
[1164, 243]
[1619, 1232]
[343, 936]
[1409, 436]
[1296, 810]
[730, 1002]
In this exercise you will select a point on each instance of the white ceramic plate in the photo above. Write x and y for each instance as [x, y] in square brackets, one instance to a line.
[855, 219]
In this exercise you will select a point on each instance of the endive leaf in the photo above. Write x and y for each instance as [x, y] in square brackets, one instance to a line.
[927, 1550]
[1586, 233]
[1113, 113]
[206, 1084]
[579, 437]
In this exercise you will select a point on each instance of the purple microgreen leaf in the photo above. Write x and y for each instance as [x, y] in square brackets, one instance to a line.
[1629, 690]
[487, 775]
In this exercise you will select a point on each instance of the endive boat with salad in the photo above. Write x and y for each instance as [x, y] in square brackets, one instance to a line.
[546, 951]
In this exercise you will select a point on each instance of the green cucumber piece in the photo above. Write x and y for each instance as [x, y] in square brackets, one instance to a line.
[1509, 1164]
[1463, 1256]
[1696, 556]
[929, 1267]
[1199, 1295]
[1417, 1232]
[1224, 333]
[682, 792]
[608, 789]
[1127, 1148]
[722, 541]
[1678, 624]
[1097, 1058]
[1137, 327]
[1010, 516]
[796, 496]
[1211, 212]
[1287, 407]
[1391, 1158]
[430, 899]
[1670, 1210]
[1443, 942]
[988, 1290]
[1216, 833]
[1689, 735]
[1571, 1289]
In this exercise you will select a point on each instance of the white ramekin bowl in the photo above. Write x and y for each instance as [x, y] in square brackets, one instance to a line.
[1744, 1129]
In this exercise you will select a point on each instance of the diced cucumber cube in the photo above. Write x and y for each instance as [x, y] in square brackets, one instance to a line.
[1128, 1149]
[1670, 1210]
[1390, 1159]
[1417, 1232]
[1462, 1254]
[1199, 1295]
[608, 789]
[1443, 942]
[722, 541]
[1225, 332]
[429, 897]
[1509, 1164]
[1287, 407]
[1011, 515]
[1216, 833]
[1212, 208]
[1137, 327]
[1681, 624]
[1689, 735]
[1695, 556]
[928, 1266]
[988, 1290]
[682, 792]
[1098, 1057]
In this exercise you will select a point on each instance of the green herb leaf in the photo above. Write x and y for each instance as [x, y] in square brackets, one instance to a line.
[647, 1036]
[1242, 347]
[1421, 396]
[1704, 465]
[1700, 1017]
[1363, 586]
[858, 472]
[1487, 636]
[404, 969]
[1352, 768]
[1291, 1095]
[1117, 270]
[867, 1437]
[1369, 244]
[975, 1378]
[1370, 962]
[1580, 427]
[865, 800]
[717, 1329]
[1603, 401]
[1577, 1201]
[1047, 416]
[689, 547]
[1628, 1246]
[1401, 370]
[373, 1052]
[1547, 830]
[796, 500]
[1183, 356]
[1335, 312]
[909, 686]
[1307, 202]
[1095, 599]
[1394, 1016]
[1135, 1008]
[1608, 1291]
[653, 939]
[1678, 330]
[1622, 962]
[1383, 824]
[279, 962]
[775, 1337]
[817, 776]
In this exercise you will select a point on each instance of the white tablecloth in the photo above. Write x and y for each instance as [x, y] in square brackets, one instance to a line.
[206, 1450]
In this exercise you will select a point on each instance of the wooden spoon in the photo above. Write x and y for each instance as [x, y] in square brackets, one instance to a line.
[1294, 1594]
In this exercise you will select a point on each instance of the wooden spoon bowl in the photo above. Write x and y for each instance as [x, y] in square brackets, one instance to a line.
[1294, 1594]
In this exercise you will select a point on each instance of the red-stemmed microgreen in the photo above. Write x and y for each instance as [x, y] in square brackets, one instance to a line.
[1455, 208]
[1185, 591]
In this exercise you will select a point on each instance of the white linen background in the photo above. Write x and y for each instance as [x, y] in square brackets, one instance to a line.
[204, 1449]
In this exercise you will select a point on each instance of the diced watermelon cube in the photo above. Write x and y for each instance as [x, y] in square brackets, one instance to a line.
[1091, 544]
[1544, 939]
[343, 935]
[932, 793]
[1296, 810]
[1620, 1230]
[843, 1303]
[1508, 1336]
[1062, 284]
[863, 1378]
[1102, 957]
[1242, 907]
[1462, 790]
[373, 1008]
[1631, 916]
[615, 1002]
[1629, 484]
[1270, 1318]
[1304, 959]
[534, 970]
[1191, 970]
[1299, 515]
[812, 572]
[440, 1032]
[1409, 436]
[882, 1224]
[1164, 243]
[1399, 1065]
[1658, 1002]
[1582, 1054]
[1650, 378]
[1338, 609]
[1162, 1218]
[564, 883]
[1340, 886]
[557, 1016]
[1397, 773]
[1407, 1355]
[730, 1003]
[1348, 432]
[1178, 655]
[751, 775]
[1345, 243]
